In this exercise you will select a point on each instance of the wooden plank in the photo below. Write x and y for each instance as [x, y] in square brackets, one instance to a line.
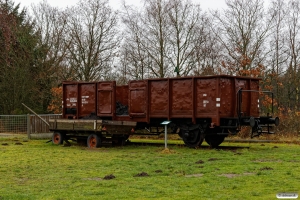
[90, 125]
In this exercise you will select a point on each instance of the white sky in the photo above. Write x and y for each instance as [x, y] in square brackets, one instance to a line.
[205, 4]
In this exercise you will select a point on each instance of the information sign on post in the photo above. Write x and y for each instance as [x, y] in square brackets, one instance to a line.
[166, 128]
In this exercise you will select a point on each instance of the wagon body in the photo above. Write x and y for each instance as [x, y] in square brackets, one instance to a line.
[209, 97]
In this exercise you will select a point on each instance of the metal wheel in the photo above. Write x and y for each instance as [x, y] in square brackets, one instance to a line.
[57, 138]
[93, 141]
[214, 140]
[192, 138]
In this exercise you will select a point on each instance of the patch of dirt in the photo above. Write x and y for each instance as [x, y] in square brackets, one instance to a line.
[266, 168]
[238, 153]
[262, 145]
[213, 159]
[18, 143]
[248, 173]
[93, 179]
[199, 162]
[275, 147]
[194, 175]
[109, 177]
[5, 144]
[141, 174]
[21, 180]
[180, 172]
[167, 151]
[158, 171]
[294, 161]
[267, 160]
[229, 175]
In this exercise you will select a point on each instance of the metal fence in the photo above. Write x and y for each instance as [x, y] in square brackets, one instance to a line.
[25, 124]
[13, 123]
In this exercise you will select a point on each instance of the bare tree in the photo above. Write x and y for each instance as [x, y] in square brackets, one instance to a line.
[155, 33]
[50, 23]
[207, 50]
[293, 37]
[134, 58]
[184, 19]
[92, 39]
[145, 46]
[278, 49]
[162, 38]
[242, 33]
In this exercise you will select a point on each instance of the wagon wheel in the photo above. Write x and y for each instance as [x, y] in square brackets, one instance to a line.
[214, 140]
[192, 138]
[93, 141]
[57, 138]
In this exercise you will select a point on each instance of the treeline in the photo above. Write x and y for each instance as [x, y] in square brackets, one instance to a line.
[42, 46]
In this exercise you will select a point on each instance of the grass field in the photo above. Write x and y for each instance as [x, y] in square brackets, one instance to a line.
[35, 169]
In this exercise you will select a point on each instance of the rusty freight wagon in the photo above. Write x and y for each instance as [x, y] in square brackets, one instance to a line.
[204, 107]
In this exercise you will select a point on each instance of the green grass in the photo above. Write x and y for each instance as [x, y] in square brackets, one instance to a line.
[40, 170]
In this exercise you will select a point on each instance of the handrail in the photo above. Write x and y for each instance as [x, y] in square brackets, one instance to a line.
[239, 99]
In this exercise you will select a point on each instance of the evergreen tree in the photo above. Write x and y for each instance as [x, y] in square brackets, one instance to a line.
[20, 72]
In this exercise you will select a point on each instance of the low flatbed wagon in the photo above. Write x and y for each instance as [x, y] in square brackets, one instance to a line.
[93, 131]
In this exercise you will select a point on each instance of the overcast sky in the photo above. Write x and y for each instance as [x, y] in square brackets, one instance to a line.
[205, 4]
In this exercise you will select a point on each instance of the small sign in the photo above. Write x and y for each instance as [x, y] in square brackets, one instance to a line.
[166, 127]
[165, 122]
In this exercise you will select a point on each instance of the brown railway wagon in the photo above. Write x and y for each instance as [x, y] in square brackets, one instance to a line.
[213, 97]
[210, 107]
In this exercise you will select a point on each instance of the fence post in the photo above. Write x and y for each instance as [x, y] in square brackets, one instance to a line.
[28, 126]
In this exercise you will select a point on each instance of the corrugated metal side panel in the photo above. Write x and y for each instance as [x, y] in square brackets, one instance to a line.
[106, 99]
[159, 98]
[138, 100]
[227, 97]
[206, 97]
[70, 100]
[181, 98]
[86, 99]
